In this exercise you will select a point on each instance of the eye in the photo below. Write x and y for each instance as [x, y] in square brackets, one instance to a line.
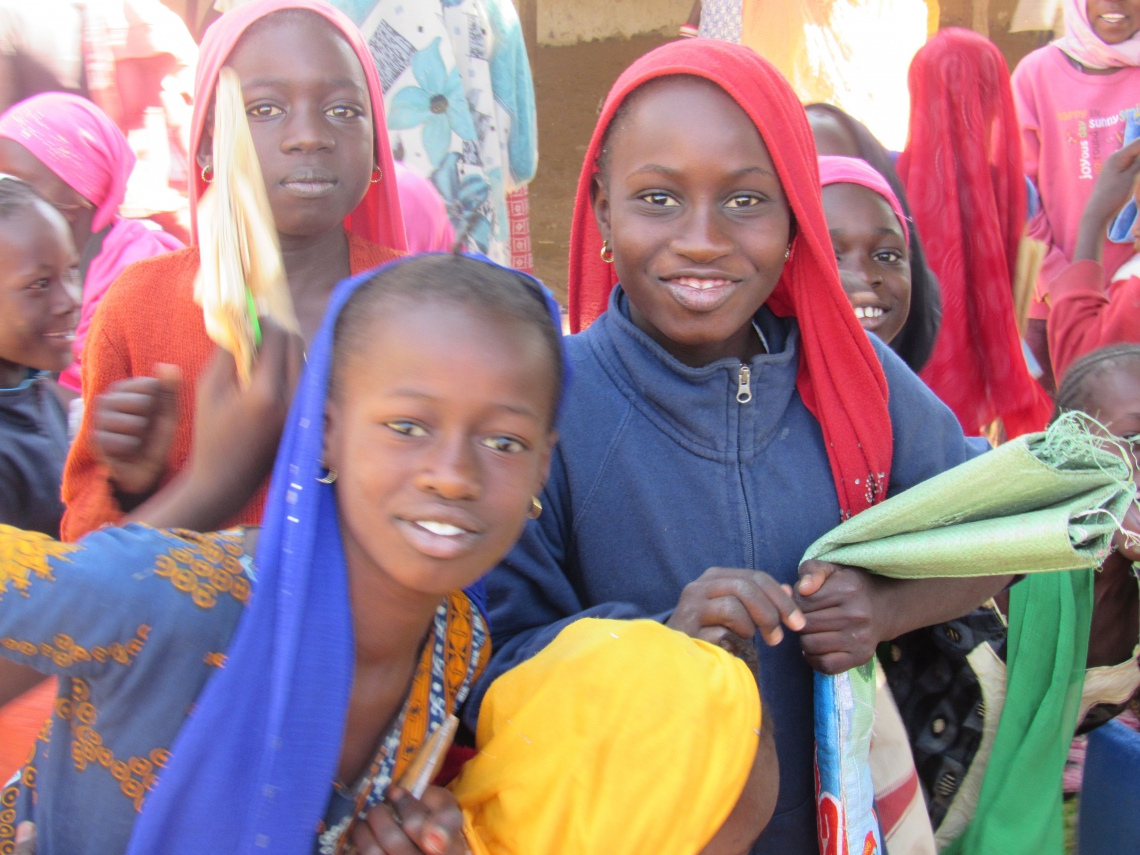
[406, 428]
[662, 200]
[39, 285]
[343, 111]
[264, 111]
[504, 444]
[743, 200]
[888, 256]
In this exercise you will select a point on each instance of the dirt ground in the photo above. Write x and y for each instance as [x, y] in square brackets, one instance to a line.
[569, 83]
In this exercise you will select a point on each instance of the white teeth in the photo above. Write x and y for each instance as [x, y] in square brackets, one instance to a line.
[866, 312]
[440, 528]
[1113, 17]
[700, 284]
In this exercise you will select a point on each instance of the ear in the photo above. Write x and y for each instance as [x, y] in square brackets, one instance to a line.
[331, 451]
[600, 201]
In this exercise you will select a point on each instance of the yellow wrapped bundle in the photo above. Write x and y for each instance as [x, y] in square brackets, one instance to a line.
[242, 276]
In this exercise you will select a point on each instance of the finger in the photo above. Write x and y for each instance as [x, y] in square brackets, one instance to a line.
[140, 401]
[390, 838]
[1130, 155]
[841, 617]
[834, 663]
[364, 841]
[812, 576]
[25, 839]
[117, 446]
[778, 595]
[125, 424]
[412, 813]
[765, 603]
[445, 825]
[711, 634]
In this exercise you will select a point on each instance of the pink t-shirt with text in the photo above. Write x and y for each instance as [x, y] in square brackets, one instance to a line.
[1070, 123]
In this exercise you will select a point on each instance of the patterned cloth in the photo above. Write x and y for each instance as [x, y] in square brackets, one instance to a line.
[134, 621]
[460, 105]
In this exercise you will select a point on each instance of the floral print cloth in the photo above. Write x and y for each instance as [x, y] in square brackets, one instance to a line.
[460, 104]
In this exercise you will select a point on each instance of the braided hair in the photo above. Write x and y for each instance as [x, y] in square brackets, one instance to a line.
[1075, 388]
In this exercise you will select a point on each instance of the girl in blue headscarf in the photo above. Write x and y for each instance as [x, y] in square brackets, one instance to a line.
[313, 655]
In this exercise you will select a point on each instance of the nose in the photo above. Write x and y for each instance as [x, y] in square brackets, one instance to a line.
[307, 130]
[450, 469]
[65, 295]
[862, 268]
[701, 237]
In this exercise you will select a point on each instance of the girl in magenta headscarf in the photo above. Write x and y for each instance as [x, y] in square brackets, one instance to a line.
[77, 159]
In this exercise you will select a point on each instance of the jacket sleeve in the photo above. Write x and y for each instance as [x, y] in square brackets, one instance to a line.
[1085, 316]
[87, 490]
[531, 596]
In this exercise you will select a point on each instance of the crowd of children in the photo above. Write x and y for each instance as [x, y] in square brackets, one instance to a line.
[257, 598]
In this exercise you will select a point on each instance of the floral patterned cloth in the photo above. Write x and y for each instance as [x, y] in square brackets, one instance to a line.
[134, 621]
[460, 104]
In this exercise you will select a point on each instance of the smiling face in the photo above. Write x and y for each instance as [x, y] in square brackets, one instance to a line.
[691, 205]
[39, 291]
[1115, 21]
[1112, 397]
[873, 257]
[311, 119]
[440, 430]
[75, 209]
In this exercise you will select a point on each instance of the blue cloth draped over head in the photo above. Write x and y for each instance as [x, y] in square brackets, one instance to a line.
[1120, 230]
[253, 766]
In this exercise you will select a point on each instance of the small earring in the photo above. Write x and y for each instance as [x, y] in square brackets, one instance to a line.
[328, 478]
[788, 252]
[376, 176]
[207, 169]
[535, 508]
[607, 253]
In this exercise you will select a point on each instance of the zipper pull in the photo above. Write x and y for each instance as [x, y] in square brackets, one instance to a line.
[744, 385]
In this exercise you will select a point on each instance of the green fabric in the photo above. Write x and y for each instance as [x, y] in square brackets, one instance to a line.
[1041, 503]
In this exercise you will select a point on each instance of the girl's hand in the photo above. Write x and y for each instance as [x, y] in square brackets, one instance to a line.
[406, 825]
[844, 620]
[1114, 187]
[134, 427]
[727, 599]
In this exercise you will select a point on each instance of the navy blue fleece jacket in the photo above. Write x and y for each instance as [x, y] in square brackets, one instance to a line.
[660, 474]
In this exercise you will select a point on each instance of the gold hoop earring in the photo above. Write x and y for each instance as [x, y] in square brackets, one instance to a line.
[535, 508]
[607, 253]
[328, 478]
[377, 174]
[207, 169]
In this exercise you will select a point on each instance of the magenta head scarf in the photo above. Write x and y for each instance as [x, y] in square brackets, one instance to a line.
[79, 143]
[1083, 44]
[851, 170]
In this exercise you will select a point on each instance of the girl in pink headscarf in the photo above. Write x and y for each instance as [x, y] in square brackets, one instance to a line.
[1072, 99]
[79, 161]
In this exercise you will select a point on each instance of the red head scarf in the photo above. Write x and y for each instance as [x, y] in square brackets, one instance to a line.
[963, 175]
[377, 218]
[840, 379]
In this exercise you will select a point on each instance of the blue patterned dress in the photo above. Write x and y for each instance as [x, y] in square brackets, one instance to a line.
[134, 621]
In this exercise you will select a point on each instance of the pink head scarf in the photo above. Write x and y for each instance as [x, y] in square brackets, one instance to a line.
[1083, 44]
[377, 218]
[79, 143]
[852, 170]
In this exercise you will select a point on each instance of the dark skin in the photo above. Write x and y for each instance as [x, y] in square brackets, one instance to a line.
[1115, 185]
[414, 442]
[1114, 21]
[873, 257]
[831, 137]
[77, 210]
[691, 198]
[312, 125]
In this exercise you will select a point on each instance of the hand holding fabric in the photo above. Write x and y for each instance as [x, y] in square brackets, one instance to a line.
[1114, 187]
[730, 599]
[843, 614]
[135, 421]
[406, 825]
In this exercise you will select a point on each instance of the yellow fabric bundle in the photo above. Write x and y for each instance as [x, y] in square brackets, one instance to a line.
[237, 238]
[622, 737]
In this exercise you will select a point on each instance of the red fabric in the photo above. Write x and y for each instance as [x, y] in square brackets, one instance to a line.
[377, 218]
[1085, 315]
[840, 379]
[962, 171]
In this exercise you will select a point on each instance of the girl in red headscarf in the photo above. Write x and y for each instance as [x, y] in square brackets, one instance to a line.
[963, 175]
[315, 110]
[727, 407]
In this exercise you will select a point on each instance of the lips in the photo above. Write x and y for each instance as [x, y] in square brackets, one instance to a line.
[1113, 18]
[443, 533]
[310, 182]
[65, 336]
[701, 293]
[871, 316]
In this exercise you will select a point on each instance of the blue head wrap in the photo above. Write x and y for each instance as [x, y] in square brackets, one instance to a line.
[1120, 231]
[252, 768]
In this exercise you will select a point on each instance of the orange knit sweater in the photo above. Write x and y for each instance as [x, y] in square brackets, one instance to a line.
[149, 316]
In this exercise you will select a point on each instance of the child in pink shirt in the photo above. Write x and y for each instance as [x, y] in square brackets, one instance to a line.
[1071, 98]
